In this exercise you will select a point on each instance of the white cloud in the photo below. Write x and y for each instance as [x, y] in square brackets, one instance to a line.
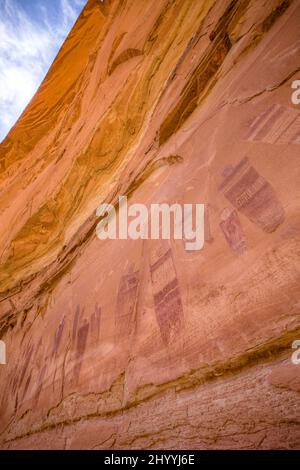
[27, 49]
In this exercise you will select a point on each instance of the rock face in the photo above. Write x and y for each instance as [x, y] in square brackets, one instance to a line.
[139, 343]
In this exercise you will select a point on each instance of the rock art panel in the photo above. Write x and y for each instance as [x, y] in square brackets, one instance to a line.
[253, 196]
[166, 294]
[58, 337]
[96, 324]
[277, 125]
[126, 304]
[81, 343]
[233, 231]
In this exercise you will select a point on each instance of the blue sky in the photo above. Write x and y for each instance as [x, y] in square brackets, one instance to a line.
[31, 33]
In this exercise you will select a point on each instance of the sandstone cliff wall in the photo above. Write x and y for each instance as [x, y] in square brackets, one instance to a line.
[141, 344]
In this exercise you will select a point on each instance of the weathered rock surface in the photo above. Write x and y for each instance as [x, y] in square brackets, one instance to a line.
[139, 343]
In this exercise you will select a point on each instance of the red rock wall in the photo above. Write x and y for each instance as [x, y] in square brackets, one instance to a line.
[139, 343]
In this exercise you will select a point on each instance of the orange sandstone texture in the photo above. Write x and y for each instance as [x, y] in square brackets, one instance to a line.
[141, 344]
